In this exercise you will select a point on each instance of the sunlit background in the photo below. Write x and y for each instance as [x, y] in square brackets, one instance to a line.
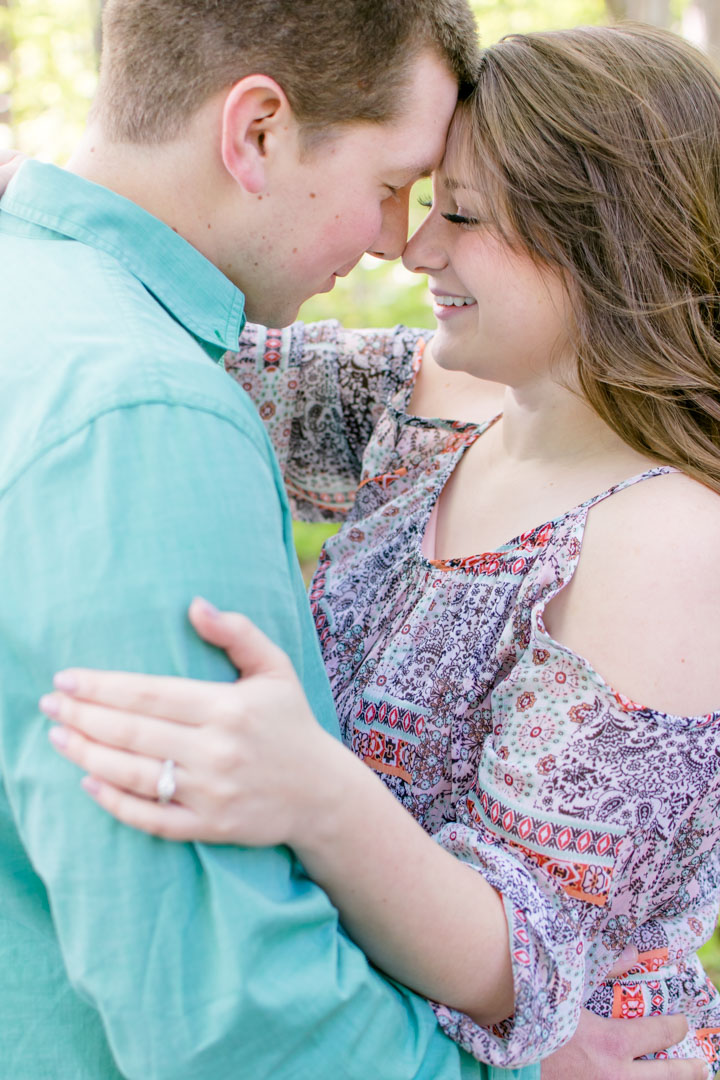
[48, 63]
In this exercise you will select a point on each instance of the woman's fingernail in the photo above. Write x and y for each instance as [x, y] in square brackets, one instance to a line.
[64, 680]
[50, 705]
[90, 785]
[207, 608]
[58, 736]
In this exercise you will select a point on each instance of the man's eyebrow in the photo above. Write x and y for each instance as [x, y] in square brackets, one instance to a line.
[414, 172]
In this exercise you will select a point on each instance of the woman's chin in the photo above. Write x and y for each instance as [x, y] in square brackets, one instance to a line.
[450, 352]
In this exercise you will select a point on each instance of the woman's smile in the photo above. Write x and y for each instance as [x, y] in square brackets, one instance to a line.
[447, 305]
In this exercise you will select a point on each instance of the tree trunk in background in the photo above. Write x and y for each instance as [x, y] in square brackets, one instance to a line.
[5, 60]
[656, 12]
[701, 25]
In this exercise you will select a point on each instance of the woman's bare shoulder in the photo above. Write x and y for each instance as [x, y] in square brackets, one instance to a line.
[662, 515]
[643, 604]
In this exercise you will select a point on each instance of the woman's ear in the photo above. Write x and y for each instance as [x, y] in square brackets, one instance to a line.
[256, 115]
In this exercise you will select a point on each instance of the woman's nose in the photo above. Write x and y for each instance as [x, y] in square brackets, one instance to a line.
[424, 253]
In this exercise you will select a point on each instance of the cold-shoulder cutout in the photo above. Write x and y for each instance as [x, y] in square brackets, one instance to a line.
[641, 605]
[516, 755]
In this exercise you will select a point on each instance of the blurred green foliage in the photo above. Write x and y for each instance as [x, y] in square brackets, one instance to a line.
[47, 79]
[47, 76]
[309, 538]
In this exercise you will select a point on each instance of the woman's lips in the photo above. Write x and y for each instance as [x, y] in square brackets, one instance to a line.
[448, 305]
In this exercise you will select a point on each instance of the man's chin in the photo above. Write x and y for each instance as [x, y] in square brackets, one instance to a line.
[276, 318]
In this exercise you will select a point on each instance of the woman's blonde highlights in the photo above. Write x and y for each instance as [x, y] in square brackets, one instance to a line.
[598, 151]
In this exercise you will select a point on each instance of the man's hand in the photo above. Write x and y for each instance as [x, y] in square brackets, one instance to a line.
[10, 161]
[606, 1050]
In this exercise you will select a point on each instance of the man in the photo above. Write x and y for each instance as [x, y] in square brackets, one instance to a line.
[239, 158]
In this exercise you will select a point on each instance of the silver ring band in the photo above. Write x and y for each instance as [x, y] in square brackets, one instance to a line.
[166, 784]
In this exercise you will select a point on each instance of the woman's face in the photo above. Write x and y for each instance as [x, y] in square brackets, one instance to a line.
[501, 315]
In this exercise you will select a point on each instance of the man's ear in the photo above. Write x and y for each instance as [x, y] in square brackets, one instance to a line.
[256, 115]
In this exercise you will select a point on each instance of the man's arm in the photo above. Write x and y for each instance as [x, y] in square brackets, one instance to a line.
[202, 962]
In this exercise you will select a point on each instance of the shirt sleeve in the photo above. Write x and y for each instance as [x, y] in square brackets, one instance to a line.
[203, 962]
[320, 390]
[567, 819]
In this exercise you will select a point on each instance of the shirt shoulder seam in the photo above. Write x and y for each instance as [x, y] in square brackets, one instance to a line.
[242, 425]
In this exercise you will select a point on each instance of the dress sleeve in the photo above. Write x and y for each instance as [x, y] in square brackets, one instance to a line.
[320, 391]
[597, 821]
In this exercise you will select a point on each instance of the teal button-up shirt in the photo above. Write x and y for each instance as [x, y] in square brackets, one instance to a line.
[135, 474]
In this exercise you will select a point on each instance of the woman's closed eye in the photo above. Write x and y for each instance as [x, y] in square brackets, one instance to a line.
[462, 219]
[455, 219]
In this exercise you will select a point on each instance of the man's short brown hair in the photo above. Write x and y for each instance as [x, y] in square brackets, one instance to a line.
[338, 61]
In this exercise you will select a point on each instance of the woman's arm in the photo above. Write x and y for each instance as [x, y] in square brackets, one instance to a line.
[436, 924]
[262, 771]
[10, 162]
[320, 390]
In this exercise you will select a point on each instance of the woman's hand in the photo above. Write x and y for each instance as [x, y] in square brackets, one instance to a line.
[10, 162]
[252, 765]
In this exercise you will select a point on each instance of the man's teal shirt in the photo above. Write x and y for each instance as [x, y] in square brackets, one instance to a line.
[134, 475]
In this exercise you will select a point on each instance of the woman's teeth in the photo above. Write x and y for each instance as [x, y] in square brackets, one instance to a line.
[454, 301]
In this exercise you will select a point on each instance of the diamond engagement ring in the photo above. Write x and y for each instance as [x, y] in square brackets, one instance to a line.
[166, 783]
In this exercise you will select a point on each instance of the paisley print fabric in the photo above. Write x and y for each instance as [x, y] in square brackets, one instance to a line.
[596, 817]
[320, 391]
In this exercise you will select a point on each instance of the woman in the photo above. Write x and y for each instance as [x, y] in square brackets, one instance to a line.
[546, 707]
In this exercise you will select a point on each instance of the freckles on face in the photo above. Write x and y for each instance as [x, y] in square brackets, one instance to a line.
[334, 241]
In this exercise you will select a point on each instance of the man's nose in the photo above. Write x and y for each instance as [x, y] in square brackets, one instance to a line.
[424, 252]
[391, 242]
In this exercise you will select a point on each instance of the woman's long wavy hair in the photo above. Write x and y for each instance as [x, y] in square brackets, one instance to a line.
[600, 149]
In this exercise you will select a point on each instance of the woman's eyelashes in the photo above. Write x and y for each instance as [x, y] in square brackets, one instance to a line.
[455, 219]
[461, 219]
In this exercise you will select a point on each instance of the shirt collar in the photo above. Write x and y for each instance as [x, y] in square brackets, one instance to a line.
[194, 291]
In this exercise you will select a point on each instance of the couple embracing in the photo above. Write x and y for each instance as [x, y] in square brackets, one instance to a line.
[464, 818]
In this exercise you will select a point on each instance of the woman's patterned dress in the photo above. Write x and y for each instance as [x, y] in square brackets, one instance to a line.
[596, 817]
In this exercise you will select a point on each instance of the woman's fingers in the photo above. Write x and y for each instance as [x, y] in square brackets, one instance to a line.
[123, 730]
[251, 651]
[10, 162]
[169, 821]
[186, 701]
[131, 772]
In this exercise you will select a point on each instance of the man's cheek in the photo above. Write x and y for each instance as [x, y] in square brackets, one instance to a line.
[350, 235]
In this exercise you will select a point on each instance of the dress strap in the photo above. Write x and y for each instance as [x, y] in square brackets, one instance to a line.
[659, 470]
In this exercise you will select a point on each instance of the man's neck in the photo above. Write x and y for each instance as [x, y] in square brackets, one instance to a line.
[173, 181]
